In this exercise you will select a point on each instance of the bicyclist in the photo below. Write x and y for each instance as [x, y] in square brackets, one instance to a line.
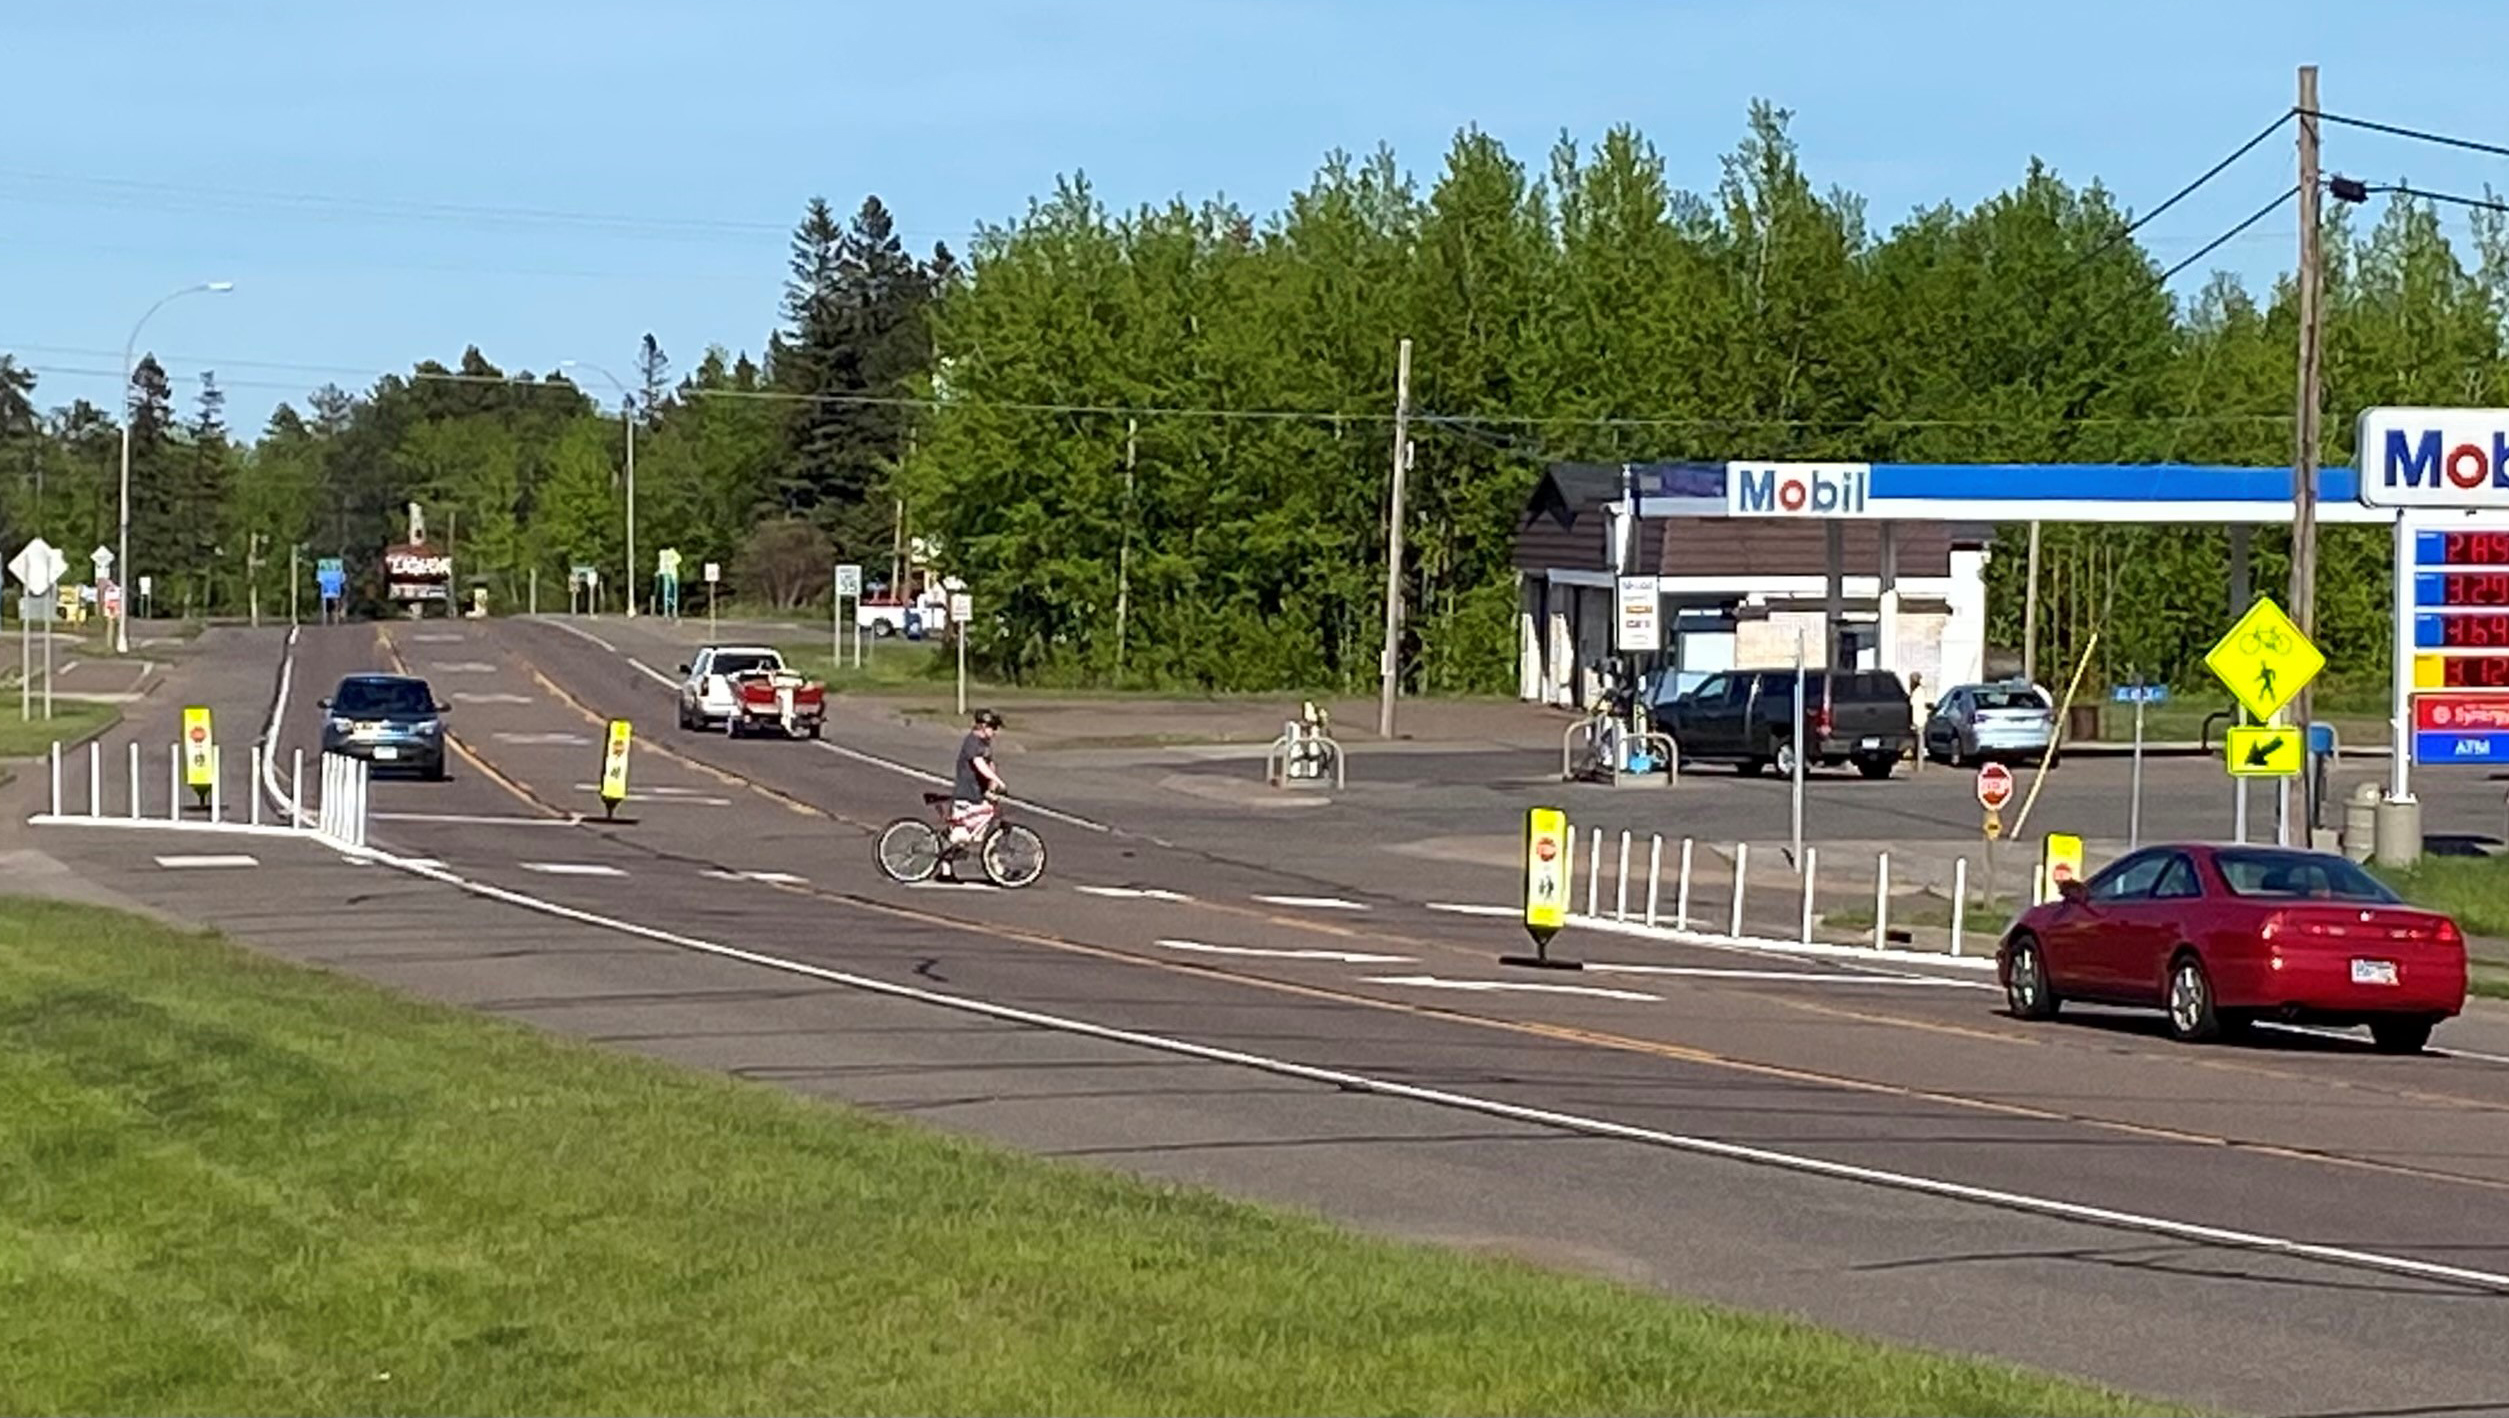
[976, 783]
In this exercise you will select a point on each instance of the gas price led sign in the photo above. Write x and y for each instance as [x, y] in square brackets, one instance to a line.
[2460, 592]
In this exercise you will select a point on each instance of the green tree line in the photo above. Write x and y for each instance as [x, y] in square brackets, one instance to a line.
[1156, 443]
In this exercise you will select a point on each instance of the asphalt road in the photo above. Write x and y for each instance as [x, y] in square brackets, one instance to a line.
[1316, 936]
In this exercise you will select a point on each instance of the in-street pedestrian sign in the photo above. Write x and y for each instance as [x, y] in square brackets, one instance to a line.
[2263, 750]
[614, 766]
[2265, 660]
[1546, 872]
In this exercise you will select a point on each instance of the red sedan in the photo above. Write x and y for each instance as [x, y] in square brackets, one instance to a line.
[2220, 936]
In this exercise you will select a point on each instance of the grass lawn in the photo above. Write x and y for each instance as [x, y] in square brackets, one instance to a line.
[2475, 890]
[229, 1184]
[1983, 918]
[72, 720]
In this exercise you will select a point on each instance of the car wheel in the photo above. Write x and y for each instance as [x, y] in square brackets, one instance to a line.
[2026, 991]
[1785, 761]
[436, 771]
[2401, 1036]
[1751, 767]
[2193, 1016]
[1876, 767]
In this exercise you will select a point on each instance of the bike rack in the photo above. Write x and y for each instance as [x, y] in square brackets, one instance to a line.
[1305, 745]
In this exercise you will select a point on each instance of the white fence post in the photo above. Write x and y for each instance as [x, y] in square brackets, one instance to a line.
[1681, 896]
[365, 775]
[1959, 898]
[174, 782]
[1811, 864]
[134, 804]
[95, 779]
[1742, 876]
[252, 785]
[1881, 900]
[56, 777]
[296, 789]
[1594, 874]
[1655, 874]
[217, 784]
[1620, 881]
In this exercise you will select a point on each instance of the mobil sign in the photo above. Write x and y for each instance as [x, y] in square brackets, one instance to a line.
[2434, 458]
[1798, 489]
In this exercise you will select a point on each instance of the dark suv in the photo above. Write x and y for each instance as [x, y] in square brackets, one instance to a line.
[391, 721]
[1746, 718]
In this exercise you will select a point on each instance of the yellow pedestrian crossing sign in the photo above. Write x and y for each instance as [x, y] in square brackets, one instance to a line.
[2265, 660]
[2263, 750]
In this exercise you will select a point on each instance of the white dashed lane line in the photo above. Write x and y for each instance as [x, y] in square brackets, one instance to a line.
[771, 878]
[1313, 903]
[464, 696]
[1817, 977]
[1466, 908]
[1132, 893]
[463, 667]
[571, 868]
[1336, 957]
[527, 740]
[226, 859]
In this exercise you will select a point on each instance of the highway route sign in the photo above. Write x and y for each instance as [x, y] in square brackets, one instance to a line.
[2265, 661]
[2263, 750]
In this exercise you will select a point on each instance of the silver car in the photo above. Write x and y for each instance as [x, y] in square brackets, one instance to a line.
[1977, 723]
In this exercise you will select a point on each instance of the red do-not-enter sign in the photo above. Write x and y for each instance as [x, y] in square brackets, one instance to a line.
[1994, 787]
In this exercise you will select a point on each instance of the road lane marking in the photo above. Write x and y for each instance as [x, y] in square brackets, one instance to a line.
[464, 696]
[437, 638]
[2347, 1036]
[463, 667]
[771, 878]
[579, 632]
[1433, 982]
[209, 859]
[1313, 903]
[657, 676]
[1466, 908]
[571, 868]
[1818, 977]
[1338, 957]
[1748, 1154]
[662, 795]
[528, 740]
[1133, 893]
[472, 819]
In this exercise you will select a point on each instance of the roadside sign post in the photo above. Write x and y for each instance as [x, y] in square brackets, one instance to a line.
[1994, 793]
[614, 768]
[962, 611]
[848, 587]
[1795, 738]
[2140, 693]
[1546, 867]
[714, 574]
[200, 750]
[38, 567]
[2265, 662]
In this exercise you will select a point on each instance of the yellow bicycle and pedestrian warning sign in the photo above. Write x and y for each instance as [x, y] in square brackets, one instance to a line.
[2265, 661]
[2264, 750]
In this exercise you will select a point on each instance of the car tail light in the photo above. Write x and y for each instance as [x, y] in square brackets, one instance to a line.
[2448, 932]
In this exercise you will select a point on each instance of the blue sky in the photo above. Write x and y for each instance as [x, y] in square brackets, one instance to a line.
[368, 173]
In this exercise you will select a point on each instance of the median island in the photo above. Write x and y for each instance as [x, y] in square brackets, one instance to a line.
[232, 1184]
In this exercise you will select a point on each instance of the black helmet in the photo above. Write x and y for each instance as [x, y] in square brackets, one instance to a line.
[987, 719]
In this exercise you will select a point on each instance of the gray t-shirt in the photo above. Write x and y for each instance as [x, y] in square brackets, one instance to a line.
[970, 785]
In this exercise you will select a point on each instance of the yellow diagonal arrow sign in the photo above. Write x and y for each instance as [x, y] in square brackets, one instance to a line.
[2263, 750]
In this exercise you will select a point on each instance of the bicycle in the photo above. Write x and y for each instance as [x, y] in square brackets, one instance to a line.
[913, 849]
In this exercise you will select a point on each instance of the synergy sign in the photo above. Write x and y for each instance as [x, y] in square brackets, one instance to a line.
[2434, 458]
[1798, 489]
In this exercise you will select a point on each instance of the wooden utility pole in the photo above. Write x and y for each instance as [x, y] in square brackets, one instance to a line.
[1124, 552]
[2304, 425]
[1390, 667]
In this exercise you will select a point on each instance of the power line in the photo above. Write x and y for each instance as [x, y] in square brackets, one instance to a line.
[2216, 170]
[2419, 135]
[2400, 189]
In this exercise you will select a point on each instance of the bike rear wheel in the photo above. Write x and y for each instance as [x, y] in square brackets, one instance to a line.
[1013, 856]
[909, 850]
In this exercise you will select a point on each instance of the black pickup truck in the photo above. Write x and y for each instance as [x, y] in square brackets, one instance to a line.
[1746, 718]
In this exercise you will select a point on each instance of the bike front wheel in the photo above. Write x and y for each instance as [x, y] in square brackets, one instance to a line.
[1013, 856]
[909, 850]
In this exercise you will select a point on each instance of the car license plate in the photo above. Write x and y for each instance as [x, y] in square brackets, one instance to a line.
[385, 753]
[2373, 972]
[1869, 743]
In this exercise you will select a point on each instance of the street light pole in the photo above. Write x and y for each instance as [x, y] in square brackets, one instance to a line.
[122, 550]
[627, 419]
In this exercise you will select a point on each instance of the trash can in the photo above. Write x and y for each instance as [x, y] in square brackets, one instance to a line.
[2082, 723]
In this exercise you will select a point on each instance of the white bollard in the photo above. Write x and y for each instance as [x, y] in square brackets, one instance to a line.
[1655, 875]
[252, 785]
[1681, 896]
[134, 780]
[1959, 898]
[95, 779]
[1620, 882]
[1742, 875]
[1594, 874]
[174, 782]
[365, 775]
[217, 785]
[1811, 865]
[1881, 900]
[56, 777]
[296, 789]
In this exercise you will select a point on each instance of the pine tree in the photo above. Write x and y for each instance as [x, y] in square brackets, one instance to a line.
[804, 356]
[653, 376]
[158, 534]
